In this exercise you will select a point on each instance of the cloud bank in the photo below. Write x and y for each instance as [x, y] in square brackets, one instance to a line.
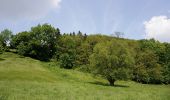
[17, 9]
[158, 27]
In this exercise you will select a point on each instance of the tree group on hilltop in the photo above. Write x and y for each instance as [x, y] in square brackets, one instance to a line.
[112, 57]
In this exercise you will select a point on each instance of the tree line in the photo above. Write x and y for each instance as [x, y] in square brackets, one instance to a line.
[113, 58]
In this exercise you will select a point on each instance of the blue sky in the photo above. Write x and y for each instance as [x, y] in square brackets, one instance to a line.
[88, 16]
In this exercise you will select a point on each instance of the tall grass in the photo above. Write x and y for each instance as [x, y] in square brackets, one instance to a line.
[23, 78]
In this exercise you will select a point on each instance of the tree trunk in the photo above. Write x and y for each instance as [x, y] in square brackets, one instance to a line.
[111, 81]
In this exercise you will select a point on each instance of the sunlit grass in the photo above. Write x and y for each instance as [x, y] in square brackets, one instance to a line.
[23, 78]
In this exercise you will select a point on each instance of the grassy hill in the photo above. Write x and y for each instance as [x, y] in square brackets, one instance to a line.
[23, 78]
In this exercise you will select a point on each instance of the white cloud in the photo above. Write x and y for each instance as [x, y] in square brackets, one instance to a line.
[158, 27]
[17, 9]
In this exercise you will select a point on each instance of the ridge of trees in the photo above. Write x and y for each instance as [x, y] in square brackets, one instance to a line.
[114, 58]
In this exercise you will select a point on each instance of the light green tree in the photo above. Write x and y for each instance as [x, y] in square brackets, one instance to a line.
[112, 60]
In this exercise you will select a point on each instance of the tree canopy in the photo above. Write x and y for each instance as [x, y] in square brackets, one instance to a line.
[112, 60]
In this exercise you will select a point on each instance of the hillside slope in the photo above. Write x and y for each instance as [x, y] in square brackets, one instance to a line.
[24, 78]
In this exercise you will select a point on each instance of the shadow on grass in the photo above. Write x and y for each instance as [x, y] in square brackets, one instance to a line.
[105, 84]
[1, 59]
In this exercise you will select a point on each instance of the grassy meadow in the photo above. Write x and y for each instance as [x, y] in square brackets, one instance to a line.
[24, 78]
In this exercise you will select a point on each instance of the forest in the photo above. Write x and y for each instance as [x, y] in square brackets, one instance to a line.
[111, 57]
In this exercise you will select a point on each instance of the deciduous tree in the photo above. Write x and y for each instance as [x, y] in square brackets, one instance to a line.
[112, 60]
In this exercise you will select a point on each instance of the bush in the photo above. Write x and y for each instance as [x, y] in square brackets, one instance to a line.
[67, 61]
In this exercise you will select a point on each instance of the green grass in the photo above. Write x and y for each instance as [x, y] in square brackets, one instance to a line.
[23, 78]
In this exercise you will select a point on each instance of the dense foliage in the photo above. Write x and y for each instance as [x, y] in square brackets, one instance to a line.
[39, 43]
[114, 58]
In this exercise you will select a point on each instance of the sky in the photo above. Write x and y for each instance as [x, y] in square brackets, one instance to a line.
[137, 19]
